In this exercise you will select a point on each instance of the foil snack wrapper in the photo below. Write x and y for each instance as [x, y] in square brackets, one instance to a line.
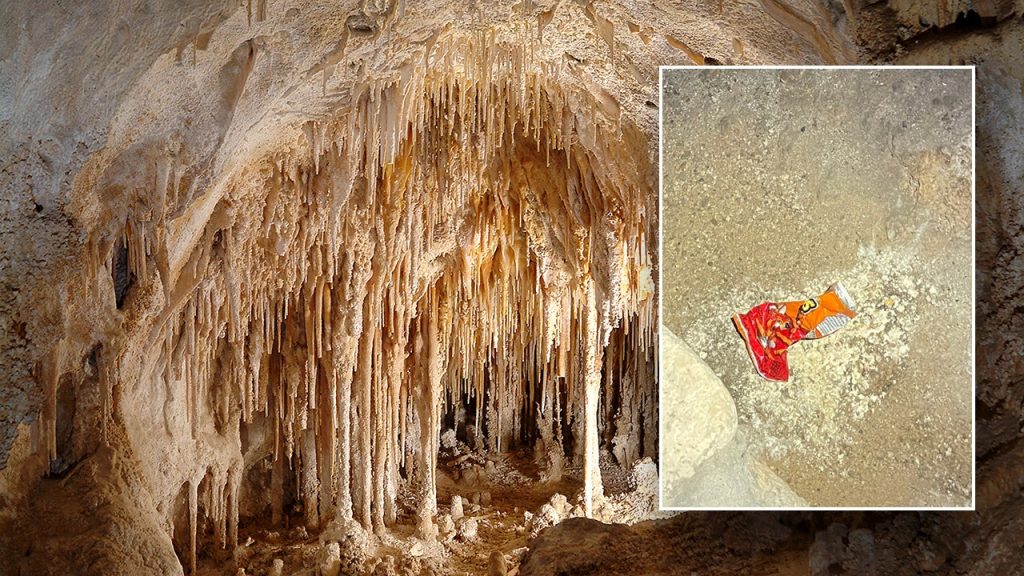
[770, 328]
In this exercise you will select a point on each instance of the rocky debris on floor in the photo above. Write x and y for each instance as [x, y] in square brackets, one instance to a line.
[468, 529]
[638, 502]
[475, 532]
[497, 565]
[456, 508]
[550, 513]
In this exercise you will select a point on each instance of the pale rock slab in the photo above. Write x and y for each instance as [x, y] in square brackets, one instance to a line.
[706, 459]
[733, 477]
[699, 414]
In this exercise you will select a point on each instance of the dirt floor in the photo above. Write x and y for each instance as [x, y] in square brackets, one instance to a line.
[505, 502]
[778, 183]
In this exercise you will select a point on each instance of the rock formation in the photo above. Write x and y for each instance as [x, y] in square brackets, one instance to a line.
[705, 461]
[700, 416]
[264, 250]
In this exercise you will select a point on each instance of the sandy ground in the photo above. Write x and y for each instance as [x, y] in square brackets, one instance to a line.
[779, 183]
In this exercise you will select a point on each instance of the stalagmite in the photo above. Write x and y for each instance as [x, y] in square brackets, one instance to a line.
[193, 507]
[459, 239]
[591, 391]
[310, 485]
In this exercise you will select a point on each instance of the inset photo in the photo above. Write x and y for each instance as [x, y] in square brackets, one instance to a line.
[817, 294]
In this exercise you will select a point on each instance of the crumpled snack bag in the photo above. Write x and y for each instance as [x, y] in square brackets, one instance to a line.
[770, 328]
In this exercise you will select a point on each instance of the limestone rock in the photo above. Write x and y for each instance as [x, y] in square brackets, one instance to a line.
[732, 477]
[560, 504]
[456, 512]
[330, 560]
[448, 441]
[698, 413]
[497, 565]
[468, 529]
[549, 515]
[706, 461]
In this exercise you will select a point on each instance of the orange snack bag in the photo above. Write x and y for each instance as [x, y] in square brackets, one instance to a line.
[770, 328]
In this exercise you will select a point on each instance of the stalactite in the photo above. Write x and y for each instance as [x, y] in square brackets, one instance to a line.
[468, 231]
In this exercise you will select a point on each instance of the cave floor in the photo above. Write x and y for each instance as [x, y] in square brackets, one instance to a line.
[780, 183]
[506, 502]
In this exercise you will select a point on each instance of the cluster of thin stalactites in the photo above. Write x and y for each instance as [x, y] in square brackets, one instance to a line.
[467, 237]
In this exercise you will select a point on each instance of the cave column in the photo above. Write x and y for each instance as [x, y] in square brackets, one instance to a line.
[378, 450]
[592, 486]
[363, 479]
[326, 437]
[193, 513]
[343, 389]
[396, 369]
[310, 486]
[436, 358]
[277, 488]
[430, 425]
[234, 486]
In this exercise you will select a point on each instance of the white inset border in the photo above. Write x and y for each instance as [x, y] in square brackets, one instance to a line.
[973, 327]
